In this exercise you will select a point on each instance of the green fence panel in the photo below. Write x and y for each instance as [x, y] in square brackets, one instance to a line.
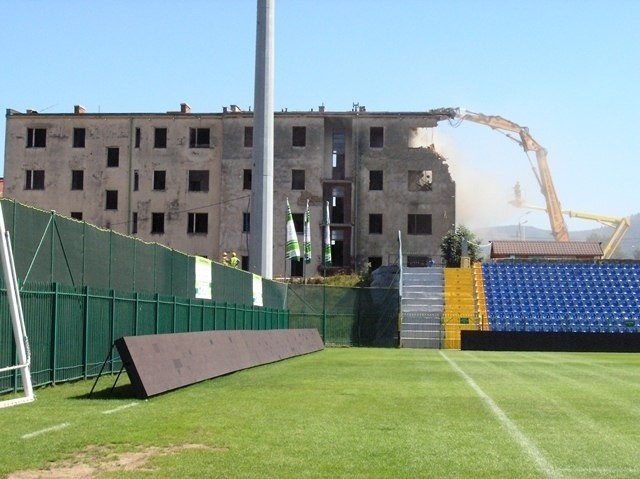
[162, 268]
[51, 248]
[181, 317]
[165, 314]
[7, 346]
[38, 303]
[69, 332]
[99, 334]
[145, 268]
[208, 316]
[378, 310]
[345, 316]
[231, 285]
[123, 262]
[220, 316]
[124, 315]
[97, 258]
[274, 294]
[31, 235]
[147, 314]
[68, 251]
[183, 275]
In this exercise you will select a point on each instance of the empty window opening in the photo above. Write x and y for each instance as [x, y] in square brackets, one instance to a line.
[376, 137]
[137, 139]
[157, 223]
[134, 222]
[376, 180]
[76, 215]
[246, 179]
[246, 222]
[79, 137]
[338, 155]
[199, 137]
[136, 180]
[299, 136]
[198, 180]
[297, 179]
[111, 200]
[244, 262]
[248, 137]
[337, 247]
[198, 223]
[160, 138]
[34, 180]
[418, 224]
[159, 180]
[421, 180]
[421, 137]
[77, 179]
[375, 224]
[338, 204]
[113, 157]
[36, 137]
[297, 268]
[298, 221]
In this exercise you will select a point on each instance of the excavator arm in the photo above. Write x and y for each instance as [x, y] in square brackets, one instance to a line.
[526, 141]
[619, 225]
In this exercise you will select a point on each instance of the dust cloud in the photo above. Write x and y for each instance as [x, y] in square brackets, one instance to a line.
[482, 193]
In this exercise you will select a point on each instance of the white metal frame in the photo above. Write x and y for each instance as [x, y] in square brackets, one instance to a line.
[17, 319]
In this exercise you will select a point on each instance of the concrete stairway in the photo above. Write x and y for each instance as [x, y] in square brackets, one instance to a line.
[421, 307]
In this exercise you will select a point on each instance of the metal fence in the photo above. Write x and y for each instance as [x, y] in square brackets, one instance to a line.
[71, 330]
[346, 316]
[82, 287]
[49, 248]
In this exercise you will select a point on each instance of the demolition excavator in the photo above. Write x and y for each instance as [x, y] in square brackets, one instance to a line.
[520, 134]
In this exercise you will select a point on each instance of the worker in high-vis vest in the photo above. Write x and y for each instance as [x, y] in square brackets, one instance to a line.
[235, 262]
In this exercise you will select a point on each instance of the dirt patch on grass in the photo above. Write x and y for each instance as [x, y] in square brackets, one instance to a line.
[94, 460]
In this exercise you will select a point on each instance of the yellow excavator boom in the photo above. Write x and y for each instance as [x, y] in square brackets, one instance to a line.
[528, 143]
[543, 175]
[619, 225]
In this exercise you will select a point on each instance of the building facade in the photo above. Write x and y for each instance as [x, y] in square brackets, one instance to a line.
[184, 179]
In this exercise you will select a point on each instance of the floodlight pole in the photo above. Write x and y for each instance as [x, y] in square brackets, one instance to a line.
[261, 220]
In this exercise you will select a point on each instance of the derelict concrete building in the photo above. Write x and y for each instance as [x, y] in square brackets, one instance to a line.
[183, 179]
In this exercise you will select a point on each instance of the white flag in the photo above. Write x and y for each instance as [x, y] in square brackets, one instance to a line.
[292, 248]
[327, 237]
[307, 235]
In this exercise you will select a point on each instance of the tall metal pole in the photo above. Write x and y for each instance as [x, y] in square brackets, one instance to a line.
[261, 227]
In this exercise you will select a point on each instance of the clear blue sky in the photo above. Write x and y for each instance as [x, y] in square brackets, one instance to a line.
[567, 69]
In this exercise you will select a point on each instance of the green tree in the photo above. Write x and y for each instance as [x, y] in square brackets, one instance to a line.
[452, 243]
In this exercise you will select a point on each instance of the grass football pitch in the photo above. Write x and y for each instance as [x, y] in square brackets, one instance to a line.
[346, 412]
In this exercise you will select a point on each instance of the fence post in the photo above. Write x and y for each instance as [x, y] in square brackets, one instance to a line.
[85, 304]
[157, 312]
[189, 323]
[54, 334]
[113, 315]
[173, 313]
[135, 323]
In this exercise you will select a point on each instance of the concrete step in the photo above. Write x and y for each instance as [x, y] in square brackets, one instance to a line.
[418, 343]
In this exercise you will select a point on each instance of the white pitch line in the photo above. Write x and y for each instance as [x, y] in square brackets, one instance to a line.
[529, 447]
[602, 471]
[125, 406]
[44, 431]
